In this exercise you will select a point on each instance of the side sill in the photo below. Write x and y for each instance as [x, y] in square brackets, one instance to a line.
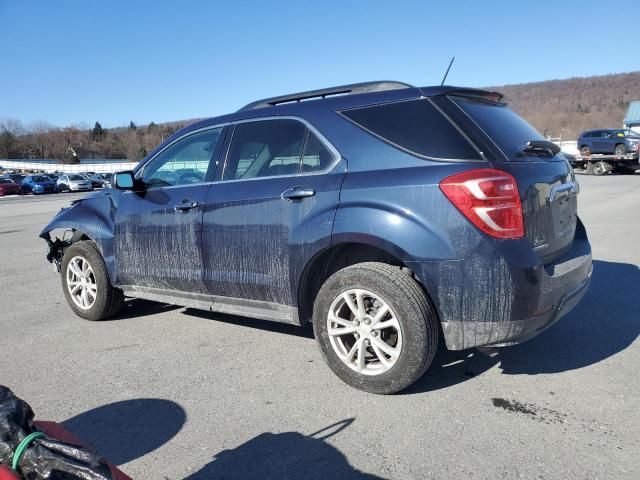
[274, 312]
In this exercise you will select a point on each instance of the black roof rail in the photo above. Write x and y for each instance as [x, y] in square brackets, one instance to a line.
[353, 88]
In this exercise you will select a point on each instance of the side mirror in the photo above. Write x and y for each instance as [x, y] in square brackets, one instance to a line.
[123, 180]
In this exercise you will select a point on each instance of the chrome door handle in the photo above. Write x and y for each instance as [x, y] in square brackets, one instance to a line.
[184, 206]
[296, 193]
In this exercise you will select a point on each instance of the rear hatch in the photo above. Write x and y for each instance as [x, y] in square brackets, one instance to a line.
[546, 181]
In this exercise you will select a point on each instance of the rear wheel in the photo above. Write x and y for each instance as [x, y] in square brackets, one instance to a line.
[375, 327]
[86, 284]
[620, 149]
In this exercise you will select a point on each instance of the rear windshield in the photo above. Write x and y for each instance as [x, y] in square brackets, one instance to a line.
[507, 129]
[415, 126]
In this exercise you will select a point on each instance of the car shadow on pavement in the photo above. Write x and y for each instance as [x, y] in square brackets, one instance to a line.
[605, 322]
[136, 308]
[126, 430]
[284, 455]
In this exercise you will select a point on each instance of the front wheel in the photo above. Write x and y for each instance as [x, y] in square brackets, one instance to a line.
[86, 284]
[375, 327]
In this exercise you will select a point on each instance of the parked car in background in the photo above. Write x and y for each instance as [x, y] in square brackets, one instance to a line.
[388, 216]
[9, 187]
[101, 180]
[38, 183]
[16, 177]
[73, 182]
[611, 142]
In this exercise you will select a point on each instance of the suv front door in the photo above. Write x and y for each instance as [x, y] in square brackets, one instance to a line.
[158, 225]
[270, 210]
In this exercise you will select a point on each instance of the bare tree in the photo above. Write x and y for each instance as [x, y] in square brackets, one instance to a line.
[10, 132]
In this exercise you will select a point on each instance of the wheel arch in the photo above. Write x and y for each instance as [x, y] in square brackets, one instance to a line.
[85, 223]
[336, 257]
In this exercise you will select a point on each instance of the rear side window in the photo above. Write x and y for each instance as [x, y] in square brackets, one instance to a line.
[415, 126]
[316, 157]
[272, 148]
[507, 129]
[265, 149]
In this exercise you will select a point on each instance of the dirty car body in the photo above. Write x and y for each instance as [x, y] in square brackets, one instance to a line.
[388, 173]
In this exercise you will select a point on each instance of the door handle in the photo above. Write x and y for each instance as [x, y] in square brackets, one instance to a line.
[296, 193]
[185, 205]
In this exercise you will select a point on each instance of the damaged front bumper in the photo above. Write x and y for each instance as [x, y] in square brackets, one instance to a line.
[56, 250]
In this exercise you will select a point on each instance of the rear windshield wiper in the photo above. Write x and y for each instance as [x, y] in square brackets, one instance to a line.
[536, 146]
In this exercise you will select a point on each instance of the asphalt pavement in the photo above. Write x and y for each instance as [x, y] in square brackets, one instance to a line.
[170, 393]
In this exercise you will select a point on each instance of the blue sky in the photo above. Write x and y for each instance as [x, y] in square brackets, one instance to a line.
[114, 61]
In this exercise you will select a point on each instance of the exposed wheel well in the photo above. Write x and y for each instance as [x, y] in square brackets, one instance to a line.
[328, 262]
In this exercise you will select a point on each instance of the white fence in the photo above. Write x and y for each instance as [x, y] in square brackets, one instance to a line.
[103, 167]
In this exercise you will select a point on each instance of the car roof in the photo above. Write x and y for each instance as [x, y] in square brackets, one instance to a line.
[342, 97]
[338, 98]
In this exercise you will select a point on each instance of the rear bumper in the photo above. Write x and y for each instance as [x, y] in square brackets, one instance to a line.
[502, 295]
[461, 335]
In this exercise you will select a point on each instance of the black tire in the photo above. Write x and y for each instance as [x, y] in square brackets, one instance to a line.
[416, 317]
[624, 170]
[620, 149]
[109, 300]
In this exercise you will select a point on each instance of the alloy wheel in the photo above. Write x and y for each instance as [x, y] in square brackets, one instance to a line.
[81, 283]
[364, 332]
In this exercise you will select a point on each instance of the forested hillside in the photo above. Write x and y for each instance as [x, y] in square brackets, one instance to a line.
[567, 107]
[558, 108]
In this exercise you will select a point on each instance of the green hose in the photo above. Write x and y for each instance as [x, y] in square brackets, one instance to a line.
[23, 446]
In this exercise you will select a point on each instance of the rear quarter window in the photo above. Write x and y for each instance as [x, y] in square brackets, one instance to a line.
[415, 126]
[508, 130]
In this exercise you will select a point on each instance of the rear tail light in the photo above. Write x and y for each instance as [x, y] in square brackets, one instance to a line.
[489, 199]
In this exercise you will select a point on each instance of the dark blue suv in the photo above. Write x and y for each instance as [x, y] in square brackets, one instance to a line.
[389, 216]
[612, 142]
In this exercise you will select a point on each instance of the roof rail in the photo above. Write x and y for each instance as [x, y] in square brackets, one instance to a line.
[353, 88]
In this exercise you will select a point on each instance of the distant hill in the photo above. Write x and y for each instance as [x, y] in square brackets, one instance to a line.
[564, 108]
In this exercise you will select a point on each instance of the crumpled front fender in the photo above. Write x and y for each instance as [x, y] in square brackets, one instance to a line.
[90, 217]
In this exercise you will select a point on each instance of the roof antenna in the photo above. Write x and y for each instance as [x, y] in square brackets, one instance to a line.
[447, 72]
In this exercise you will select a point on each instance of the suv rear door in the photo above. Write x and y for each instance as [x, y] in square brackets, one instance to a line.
[270, 210]
[599, 144]
[545, 179]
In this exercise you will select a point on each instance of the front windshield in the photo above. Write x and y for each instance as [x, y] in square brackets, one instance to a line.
[40, 178]
[76, 177]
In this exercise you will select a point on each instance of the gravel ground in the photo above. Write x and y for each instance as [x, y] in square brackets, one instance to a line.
[170, 393]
